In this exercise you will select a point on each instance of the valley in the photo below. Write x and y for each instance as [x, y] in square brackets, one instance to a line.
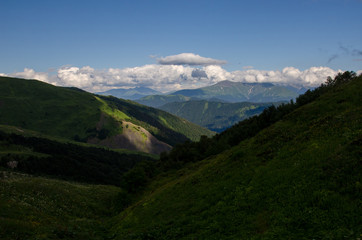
[215, 116]
[292, 170]
[224, 104]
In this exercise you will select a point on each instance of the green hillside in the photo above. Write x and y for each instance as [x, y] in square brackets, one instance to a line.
[33, 153]
[35, 105]
[41, 208]
[295, 178]
[163, 125]
[292, 172]
[75, 114]
[216, 116]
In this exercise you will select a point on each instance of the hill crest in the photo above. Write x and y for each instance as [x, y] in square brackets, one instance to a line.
[82, 116]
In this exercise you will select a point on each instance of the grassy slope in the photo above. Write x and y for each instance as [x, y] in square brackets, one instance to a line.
[215, 116]
[40, 208]
[51, 110]
[163, 125]
[75, 114]
[298, 179]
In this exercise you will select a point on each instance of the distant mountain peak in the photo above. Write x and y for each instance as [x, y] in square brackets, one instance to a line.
[130, 93]
[225, 82]
[229, 91]
[228, 83]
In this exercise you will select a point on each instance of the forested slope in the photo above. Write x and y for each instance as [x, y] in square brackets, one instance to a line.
[296, 176]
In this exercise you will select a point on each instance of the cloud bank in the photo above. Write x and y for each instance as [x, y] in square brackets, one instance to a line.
[166, 78]
[189, 59]
[174, 73]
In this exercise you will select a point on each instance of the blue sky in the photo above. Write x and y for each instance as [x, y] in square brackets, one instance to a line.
[258, 34]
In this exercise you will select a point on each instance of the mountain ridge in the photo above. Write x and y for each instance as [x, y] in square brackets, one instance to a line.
[228, 91]
[214, 115]
[296, 177]
[130, 93]
[82, 116]
[292, 172]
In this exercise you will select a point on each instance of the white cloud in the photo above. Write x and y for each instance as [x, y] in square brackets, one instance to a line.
[190, 59]
[166, 78]
[217, 73]
[311, 77]
[31, 74]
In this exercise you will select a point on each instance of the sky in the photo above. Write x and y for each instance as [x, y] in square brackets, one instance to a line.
[172, 45]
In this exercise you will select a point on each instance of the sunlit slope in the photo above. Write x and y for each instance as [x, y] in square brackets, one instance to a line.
[161, 124]
[82, 116]
[300, 178]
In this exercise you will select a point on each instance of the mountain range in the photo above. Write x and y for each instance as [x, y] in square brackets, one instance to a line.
[78, 115]
[227, 91]
[130, 93]
[291, 172]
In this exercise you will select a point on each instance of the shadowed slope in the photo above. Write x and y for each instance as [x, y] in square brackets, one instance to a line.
[299, 178]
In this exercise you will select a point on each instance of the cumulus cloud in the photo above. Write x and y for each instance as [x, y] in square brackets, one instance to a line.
[31, 74]
[167, 78]
[189, 59]
[311, 77]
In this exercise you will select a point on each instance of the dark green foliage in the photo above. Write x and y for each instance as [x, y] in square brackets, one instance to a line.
[69, 161]
[136, 179]
[248, 128]
[296, 178]
[36, 208]
[294, 172]
[341, 78]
